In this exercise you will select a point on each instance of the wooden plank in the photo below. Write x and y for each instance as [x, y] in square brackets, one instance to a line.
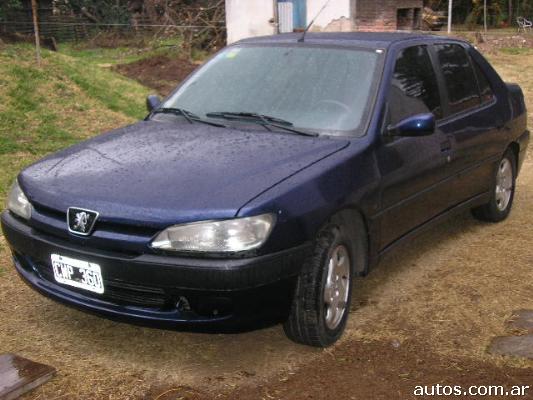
[19, 375]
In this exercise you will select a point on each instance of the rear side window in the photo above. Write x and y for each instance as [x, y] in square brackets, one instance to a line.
[414, 89]
[459, 77]
[484, 85]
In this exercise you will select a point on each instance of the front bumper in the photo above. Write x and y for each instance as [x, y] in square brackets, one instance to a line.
[150, 289]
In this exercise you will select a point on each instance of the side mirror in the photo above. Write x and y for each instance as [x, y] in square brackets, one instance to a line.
[153, 102]
[417, 125]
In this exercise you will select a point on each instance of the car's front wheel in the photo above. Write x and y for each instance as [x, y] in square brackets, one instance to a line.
[323, 292]
[502, 191]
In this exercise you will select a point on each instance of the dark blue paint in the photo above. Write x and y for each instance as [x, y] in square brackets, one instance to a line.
[150, 175]
[417, 125]
[168, 173]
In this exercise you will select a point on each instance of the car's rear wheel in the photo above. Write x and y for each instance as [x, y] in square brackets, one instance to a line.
[502, 191]
[323, 292]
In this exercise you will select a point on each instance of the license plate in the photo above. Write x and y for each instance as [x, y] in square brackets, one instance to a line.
[78, 273]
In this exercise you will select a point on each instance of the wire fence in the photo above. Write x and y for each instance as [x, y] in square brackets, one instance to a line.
[208, 34]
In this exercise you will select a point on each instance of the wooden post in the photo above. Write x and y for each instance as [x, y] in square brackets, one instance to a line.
[34, 11]
[450, 10]
[485, 15]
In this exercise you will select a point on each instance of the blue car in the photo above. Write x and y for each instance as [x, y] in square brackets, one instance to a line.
[276, 173]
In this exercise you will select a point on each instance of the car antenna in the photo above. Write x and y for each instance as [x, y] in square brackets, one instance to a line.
[302, 39]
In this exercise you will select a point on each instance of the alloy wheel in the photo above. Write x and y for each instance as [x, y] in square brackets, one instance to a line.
[504, 184]
[337, 287]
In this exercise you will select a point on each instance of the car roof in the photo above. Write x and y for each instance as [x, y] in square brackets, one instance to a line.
[374, 40]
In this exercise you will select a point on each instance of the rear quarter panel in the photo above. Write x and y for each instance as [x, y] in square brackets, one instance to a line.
[513, 110]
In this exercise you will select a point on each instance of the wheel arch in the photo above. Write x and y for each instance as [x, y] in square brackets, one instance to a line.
[355, 221]
[515, 148]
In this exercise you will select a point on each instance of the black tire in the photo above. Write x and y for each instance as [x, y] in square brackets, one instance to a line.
[492, 211]
[306, 323]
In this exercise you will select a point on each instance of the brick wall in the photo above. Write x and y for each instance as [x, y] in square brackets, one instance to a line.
[381, 15]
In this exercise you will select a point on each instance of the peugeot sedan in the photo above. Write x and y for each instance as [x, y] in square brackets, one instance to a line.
[276, 173]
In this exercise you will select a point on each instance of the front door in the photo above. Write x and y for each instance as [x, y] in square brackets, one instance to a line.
[414, 175]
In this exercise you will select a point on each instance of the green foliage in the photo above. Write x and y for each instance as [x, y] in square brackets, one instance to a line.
[98, 11]
[499, 12]
[9, 5]
[517, 51]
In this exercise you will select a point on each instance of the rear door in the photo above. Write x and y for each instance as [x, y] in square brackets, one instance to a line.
[472, 119]
[414, 186]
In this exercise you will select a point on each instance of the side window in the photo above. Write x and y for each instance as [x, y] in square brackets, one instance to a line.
[414, 89]
[484, 85]
[459, 77]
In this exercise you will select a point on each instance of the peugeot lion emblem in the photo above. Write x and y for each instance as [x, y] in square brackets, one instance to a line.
[81, 221]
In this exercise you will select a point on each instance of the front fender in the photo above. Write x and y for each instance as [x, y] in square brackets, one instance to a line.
[304, 202]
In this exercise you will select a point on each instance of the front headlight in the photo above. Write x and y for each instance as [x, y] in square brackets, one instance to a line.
[232, 235]
[18, 203]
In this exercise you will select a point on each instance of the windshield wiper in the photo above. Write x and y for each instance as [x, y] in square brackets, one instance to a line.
[189, 116]
[266, 121]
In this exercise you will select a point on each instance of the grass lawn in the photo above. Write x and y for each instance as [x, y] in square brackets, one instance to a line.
[65, 101]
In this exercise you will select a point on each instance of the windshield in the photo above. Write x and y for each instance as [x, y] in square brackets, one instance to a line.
[325, 90]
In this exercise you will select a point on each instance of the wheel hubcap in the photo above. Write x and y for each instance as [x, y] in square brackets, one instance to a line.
[337, 286]
[504, 184]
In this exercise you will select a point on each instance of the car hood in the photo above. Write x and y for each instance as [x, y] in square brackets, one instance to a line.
[159, 174]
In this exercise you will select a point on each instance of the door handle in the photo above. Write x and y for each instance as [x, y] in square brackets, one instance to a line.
[446, 145]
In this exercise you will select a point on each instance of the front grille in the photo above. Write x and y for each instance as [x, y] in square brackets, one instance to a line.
[127, 239]
[103, 225]
[119, 292]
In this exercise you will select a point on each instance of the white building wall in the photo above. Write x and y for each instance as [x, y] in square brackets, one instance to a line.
[247, 18]
[337, 15]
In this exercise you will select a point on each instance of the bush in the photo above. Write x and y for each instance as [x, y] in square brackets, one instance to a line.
[99, 11]
[9, 5]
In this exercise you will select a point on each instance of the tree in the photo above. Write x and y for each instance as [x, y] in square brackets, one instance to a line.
[35, 17]
[98, 11]
[471, 12]
[9, 5]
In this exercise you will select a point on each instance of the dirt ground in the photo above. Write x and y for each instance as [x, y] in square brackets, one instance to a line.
[161, 73]
[378, 370]
[492, 42]
[425, 315]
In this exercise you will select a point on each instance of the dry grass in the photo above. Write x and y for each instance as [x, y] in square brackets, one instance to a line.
[451, 290]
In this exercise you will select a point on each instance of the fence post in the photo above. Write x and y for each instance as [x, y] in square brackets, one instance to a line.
[34, 12]
[450, 10]
[485, 15]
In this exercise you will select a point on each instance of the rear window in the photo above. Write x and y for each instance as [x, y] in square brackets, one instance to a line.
[414, 89]
[459, 77]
